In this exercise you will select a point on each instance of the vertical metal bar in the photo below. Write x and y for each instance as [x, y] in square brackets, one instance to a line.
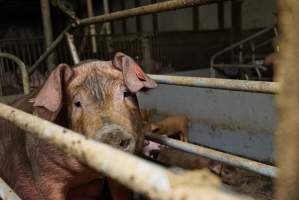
[124, 21]
[288, 102]
[72, 47]
[107, 27]
[92, 27]
[138, 18]
[146, 53]
[155, 19]
[48, 32]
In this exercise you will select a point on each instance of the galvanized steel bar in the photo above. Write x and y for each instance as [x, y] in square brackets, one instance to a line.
[287, 135]
[139, 175]
[144, 10]
[22, 66]
[47, 29]
[6, 193]
[236, 161]
[49, 50]
[216, 83]
[72, 47]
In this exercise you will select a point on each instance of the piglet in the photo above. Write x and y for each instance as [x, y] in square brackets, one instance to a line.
[173, 126]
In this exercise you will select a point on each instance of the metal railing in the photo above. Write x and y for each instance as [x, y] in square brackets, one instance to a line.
[140, 175]
[165, 184]
[240, 47]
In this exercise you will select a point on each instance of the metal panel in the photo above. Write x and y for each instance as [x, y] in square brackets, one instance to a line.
[241, 123]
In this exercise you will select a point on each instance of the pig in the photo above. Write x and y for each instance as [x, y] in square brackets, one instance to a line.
[85, 98]
[173, 157]
[270, 59]
[172, 126]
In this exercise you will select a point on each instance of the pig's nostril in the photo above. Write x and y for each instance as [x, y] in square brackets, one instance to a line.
[125, 143]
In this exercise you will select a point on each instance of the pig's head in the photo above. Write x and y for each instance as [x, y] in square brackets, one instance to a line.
[100, 100]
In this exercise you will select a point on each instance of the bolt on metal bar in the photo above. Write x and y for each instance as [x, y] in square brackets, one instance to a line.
[140, 175]
[217, 83]
[22, 66]
[6, 192]
[144, 10]
[236, 161]
[49, 50]
[72, 47]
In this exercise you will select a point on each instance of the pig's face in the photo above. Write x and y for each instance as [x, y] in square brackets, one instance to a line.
[100, 100]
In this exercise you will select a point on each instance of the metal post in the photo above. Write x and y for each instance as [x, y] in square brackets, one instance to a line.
[107, 27]
[288, 102]
[217, 83]
[92, 27]
[146, 53]
[22, 66]
[236, 161]
[140, 175]
[48, 32]
[72, 47]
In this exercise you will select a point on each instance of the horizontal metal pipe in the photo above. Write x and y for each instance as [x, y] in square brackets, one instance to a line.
[22, 66]
[144, 10]
[49, 50]
[6, 192]
[137, 174]
[236, 161]
[217, 83]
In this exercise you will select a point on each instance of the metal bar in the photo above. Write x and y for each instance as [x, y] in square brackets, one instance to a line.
[135, 173]
[287, 135]
[69, 12]
[92, 27]
[49, 50]
[48, 32]
[236, 161]
[6, 192]
[238, 44]
[22, 66]
[72, 47]
[148, 9]
[217, 83]
[238, 65]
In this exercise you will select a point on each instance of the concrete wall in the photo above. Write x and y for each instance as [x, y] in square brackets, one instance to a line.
[256, 14]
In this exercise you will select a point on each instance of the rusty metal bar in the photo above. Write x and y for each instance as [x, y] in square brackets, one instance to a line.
[22, 66]
[236, 161]
[72, 47]
[217, 83]
[287, 135]
[47, 28]
[49, 50]
[148, 9]
[69, 12]
[92, 27]
[140, 175]
[6, 192]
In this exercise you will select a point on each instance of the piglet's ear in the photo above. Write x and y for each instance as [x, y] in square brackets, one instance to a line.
[49, 100]
[135, 79]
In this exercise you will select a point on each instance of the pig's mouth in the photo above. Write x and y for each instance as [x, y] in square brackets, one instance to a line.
[116, 136]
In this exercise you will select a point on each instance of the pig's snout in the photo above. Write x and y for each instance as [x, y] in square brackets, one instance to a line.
[116, 136]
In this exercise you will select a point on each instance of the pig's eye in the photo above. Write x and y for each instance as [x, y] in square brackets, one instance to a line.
[77, 104]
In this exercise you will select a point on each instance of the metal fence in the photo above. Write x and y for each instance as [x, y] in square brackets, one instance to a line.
[170, 182]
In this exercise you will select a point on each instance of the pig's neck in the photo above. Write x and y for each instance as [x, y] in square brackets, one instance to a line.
[54, 172]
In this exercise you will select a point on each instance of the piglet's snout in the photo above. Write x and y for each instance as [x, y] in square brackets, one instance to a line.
[116, 136]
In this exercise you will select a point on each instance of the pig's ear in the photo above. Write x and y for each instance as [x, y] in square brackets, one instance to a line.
[135, 79]
[49, 100]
